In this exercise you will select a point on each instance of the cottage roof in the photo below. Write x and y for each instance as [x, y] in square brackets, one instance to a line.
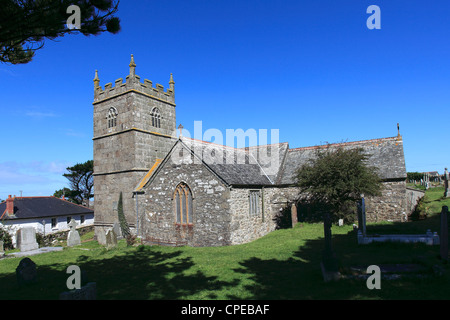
[41, 207]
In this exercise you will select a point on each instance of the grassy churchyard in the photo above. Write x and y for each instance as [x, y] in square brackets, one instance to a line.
[285, 264]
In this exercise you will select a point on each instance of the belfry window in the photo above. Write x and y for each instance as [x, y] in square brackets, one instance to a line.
[112, 117]
[156, 118]
[183, 204]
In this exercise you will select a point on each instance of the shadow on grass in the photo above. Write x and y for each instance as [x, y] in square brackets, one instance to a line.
[138, 274]
[300, 277]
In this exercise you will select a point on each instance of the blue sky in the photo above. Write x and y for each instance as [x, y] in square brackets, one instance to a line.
[311, 69]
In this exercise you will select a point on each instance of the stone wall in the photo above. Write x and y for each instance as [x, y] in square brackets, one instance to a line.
[246, 227]
[124, 153]
[390, 206]
[211, 207]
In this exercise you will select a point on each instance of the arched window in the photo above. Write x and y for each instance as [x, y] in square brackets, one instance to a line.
[112, 117]
[183, 204]
[156, 118]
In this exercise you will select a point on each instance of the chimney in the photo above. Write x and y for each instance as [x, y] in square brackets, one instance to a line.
[10, 205]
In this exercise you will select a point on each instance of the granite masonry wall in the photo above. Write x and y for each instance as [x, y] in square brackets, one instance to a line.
[391, 205]
[211, 207]
[125, 152]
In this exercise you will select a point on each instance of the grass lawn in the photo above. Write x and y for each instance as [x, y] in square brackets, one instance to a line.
[282, 265]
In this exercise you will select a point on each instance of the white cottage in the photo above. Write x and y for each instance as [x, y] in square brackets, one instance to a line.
[45, 214]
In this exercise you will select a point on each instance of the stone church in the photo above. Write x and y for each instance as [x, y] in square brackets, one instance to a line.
[182, 191]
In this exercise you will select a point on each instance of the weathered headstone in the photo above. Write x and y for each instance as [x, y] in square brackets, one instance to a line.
[444, 234]
[26, 272]
[26, 239]
[111, 239]
[116, 229]
[87, 292]
[341, 222]
[2, 251]
[73, 238]
[294, 217]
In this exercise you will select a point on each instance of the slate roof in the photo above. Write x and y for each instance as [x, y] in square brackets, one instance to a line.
[235, 166]
[276, 164]
[41, 207]
[386, 154]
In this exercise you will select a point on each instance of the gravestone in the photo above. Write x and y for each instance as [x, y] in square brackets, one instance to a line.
[446, 187]
[362, 215]
[2, 251]
[26, 239]
[87, 292]
[444, 234]
[73, 238]
[116, 229]
[26, 272]
[329, 264]
[294, 217]
[111, 239]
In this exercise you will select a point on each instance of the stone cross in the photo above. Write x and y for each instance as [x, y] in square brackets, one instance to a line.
[73, 238]
[72, 225]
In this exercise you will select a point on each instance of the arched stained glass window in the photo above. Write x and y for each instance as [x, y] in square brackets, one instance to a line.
[183, 204]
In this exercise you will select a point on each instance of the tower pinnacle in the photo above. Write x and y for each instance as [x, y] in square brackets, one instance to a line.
[132, 67]
[96, 80]
[171, 83]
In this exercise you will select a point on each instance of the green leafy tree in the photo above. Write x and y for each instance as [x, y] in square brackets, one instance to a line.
[336, 177]
[26, 24]
[81, 182]
[6, 238]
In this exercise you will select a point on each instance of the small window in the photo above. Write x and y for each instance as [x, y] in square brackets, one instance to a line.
[68, 220]
[254, 202]
[112, 117]
[81, 219]
[53, 222]
[183, 204]
[156, 118]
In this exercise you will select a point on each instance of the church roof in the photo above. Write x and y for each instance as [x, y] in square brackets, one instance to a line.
[276, 164]
[233, 165]
[40, 207]
[385, 154]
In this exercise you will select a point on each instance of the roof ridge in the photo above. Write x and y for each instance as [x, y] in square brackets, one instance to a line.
[342, 143]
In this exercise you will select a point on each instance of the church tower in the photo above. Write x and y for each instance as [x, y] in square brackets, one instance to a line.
[134, 125]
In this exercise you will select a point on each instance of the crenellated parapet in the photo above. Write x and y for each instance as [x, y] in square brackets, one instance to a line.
[133, 83]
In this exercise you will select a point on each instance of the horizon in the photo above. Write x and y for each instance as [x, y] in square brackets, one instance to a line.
[312, 70]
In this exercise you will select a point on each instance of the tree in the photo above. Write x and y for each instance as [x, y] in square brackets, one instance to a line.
[81, 182]
[26, 24]
[70, 195]
[337, 177]
[124, 227]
